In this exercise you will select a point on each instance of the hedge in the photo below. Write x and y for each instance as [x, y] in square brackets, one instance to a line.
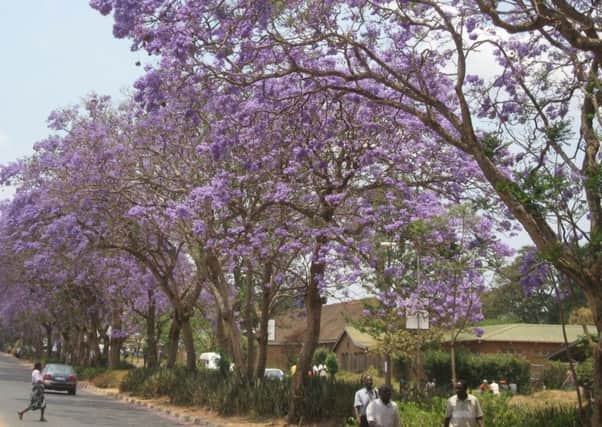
[324, 398]
[497, 413]
[474, 368]
[554, 374]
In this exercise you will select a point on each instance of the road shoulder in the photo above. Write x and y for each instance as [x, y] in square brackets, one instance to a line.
[192, 415]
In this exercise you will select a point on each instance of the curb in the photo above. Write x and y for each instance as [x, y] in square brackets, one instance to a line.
[148, 405]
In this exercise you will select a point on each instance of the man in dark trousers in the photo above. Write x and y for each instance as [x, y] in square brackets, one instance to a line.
[463, 409]
[363, 397]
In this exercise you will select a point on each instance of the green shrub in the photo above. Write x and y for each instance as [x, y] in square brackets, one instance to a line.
[331, 364]
[497, 413]
[135, 379]
[585, 374]
[426, 414]
[474, 368]
[323, 398]
[554, 374]
[224, 364]
[89, 372]
[320, 356]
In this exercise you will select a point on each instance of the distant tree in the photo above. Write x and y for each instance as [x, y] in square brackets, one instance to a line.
[527, 298]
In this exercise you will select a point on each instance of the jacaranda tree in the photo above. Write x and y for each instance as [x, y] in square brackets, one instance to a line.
[514, 85]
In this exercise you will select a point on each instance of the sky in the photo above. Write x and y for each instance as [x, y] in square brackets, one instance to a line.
[54, 53]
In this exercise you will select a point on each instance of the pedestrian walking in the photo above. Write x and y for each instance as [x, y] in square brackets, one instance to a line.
[383, 412]
[363, 397]
[463, 409]
[37, 399]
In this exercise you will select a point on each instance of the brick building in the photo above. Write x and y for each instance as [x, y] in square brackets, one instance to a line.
[288, 329]
[355, 351]
[534, 342]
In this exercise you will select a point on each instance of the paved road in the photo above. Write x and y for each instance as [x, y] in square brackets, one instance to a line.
[84, 409]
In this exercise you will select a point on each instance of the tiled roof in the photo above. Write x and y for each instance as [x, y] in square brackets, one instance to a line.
[526, 332]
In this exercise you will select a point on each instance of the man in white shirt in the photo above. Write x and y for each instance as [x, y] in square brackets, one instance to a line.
[363, 397]
[494, 388]
[382, 412]
[463, 409]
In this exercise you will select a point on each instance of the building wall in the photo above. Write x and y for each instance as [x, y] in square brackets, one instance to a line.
[282, 355]
[356, 359]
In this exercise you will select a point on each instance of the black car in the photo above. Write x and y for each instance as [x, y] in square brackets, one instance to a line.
[59, 377]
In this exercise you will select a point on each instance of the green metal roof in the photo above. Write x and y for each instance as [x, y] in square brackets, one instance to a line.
[526, 332]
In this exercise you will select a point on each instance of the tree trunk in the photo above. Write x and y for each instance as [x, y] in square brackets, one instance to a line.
[220, 333]
[388, 373]
[48, 329]
[59, 349]
[65, 350]
[250, 326]
[263, 334]
[105, 348]
[313, 307]
[452, 352]
[150, 351]
[221, 293]
[233, 337]
[174, 340]
[188, 339]
[595, 303]
[77, 345]
[115, 352]
[94, 348]
[116, 340]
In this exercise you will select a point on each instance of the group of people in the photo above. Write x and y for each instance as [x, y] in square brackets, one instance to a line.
[374, 408]
[495, 388]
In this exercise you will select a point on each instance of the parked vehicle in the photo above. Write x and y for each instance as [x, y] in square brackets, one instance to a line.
[57, 376]
[210, 360]
[273, 374]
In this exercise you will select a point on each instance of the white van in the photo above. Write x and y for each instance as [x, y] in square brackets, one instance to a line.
[210, 360]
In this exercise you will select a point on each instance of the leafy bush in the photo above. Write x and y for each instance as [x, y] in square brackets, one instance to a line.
[109, 379]
[497, 413]
[88, 372]
[135, 379]
[331, 364]
[320, 356]
[322, 398]
[474, 368]
[585, 374]
[554, 374]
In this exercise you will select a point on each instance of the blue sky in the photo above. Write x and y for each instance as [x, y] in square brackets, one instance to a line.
[53, 53]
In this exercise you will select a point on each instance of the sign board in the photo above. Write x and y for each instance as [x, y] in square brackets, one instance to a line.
[417, 320]
[271, 330]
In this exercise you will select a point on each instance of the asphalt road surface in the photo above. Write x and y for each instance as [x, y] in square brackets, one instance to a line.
[84, 409]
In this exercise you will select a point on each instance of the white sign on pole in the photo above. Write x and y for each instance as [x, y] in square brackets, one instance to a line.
[271, 330]
[417, 320]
